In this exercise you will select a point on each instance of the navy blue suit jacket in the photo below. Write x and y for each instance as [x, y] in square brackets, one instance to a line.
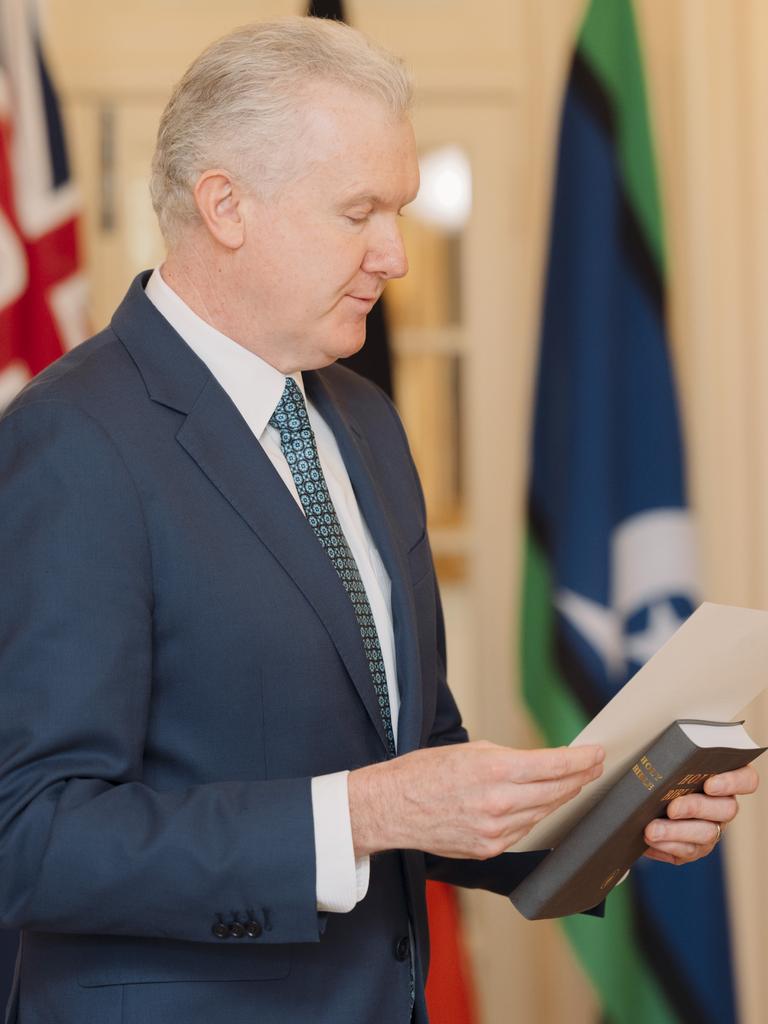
[178, 658]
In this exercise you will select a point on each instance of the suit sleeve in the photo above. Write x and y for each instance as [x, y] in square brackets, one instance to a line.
[85, 845]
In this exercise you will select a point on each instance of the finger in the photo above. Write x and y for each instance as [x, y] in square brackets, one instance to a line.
[515, 821]
[708, 808]
[682, 852]
[737, 783]
[520, 823]
[660, 833]
[552, 763]
[547, 794]
[664, 858]
[525, 818]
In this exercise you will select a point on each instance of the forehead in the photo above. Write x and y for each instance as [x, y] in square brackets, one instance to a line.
[354, 146]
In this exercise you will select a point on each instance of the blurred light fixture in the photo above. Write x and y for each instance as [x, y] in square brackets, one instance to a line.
[445, 196]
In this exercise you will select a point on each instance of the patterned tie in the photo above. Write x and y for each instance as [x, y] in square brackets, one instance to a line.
[297, 440]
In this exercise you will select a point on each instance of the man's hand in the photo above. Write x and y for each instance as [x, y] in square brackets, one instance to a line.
[691, 831]
[470, 800]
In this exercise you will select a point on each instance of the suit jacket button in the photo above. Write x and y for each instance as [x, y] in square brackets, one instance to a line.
[402, 949]
[220, 930]
[253, 929]
[236, 930]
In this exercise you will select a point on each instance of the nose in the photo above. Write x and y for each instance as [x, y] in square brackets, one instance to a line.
[386, 256]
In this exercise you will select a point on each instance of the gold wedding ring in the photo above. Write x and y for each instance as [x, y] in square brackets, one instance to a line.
[719, 835]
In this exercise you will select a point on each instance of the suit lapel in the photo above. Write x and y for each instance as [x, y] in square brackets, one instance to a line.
[360, 466]
[221, 443]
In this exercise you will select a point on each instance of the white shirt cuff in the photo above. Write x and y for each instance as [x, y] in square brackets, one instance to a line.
[340, 880]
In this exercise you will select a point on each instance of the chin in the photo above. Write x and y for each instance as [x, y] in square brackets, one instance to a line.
[340, 342]
[344, 347]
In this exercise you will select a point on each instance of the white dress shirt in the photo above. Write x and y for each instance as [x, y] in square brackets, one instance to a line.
[255, 388]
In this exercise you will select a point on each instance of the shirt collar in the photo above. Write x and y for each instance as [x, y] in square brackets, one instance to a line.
[254, 385]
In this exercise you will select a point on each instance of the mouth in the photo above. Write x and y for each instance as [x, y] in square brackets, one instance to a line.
[367, 301]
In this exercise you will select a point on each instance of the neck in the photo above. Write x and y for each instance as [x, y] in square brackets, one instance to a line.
[203, 278]
[193, 277]
[207, 280]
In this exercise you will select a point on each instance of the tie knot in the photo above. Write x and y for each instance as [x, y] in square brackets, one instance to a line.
[290, 415]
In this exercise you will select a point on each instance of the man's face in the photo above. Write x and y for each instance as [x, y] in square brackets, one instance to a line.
[318, 254]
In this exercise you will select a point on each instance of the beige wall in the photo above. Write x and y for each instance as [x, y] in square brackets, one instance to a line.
[494, 82]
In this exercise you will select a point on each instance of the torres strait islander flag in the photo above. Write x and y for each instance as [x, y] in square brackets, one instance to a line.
[610, 567]
[42, 291]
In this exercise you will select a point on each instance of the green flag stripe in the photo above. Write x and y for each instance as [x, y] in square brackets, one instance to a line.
[608, 43]
[626, 984]
[627, 987]
[551, 702]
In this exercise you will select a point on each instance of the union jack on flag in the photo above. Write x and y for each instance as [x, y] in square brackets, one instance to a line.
[42, 289]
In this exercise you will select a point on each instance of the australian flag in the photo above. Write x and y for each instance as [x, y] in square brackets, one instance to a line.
[42, 289]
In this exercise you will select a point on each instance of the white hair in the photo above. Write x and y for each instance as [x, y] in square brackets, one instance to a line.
[239, 106]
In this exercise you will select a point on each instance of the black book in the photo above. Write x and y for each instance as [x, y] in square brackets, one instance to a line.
[598, 851]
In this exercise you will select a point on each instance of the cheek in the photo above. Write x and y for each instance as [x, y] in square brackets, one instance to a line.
[307, 271]
[288, 252]
[341, 254]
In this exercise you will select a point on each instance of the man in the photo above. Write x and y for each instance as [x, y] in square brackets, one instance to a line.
[228, 751]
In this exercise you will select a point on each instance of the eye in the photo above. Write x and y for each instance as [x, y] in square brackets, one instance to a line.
[357, 218]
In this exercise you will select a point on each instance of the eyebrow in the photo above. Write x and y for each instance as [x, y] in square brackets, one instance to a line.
[371, 199]
[362, 197]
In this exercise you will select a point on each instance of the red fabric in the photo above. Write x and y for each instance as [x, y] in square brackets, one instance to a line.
[450, 997]
[29, 333]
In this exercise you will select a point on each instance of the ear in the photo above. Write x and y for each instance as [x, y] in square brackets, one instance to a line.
[218, 200]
